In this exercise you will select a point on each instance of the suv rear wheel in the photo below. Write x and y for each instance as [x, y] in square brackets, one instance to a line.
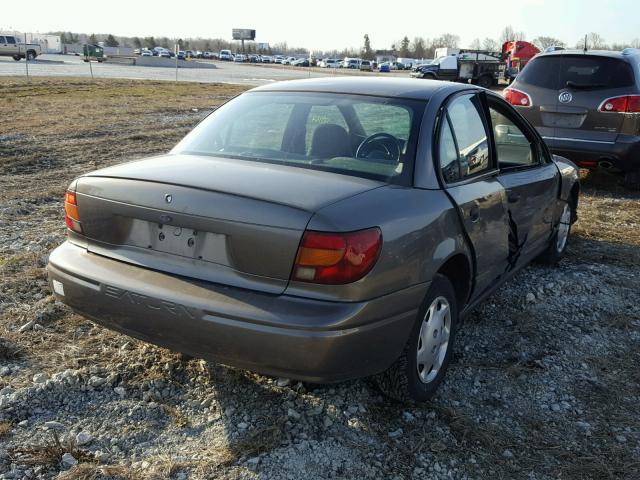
[415, 376]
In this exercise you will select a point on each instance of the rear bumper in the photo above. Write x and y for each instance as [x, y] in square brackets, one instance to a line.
[623, 154]
[306, 339]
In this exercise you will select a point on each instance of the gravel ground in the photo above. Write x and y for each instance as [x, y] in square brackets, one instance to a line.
[545, 382]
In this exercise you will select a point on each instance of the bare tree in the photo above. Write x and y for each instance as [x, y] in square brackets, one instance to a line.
[508, 34]
[475, 44]
[448, 40]
[543, 42]
[490, 44]
[419, 46]
[594, 41]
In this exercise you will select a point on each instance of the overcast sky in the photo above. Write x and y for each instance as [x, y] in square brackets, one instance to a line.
[329, 24]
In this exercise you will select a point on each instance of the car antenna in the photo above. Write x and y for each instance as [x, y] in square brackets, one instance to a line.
[585, 44]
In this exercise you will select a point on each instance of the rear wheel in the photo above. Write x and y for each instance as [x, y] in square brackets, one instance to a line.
[16, 58]
[416, 375]
[558, 245]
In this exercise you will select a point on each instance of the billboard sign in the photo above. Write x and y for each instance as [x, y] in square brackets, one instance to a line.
[243, 34]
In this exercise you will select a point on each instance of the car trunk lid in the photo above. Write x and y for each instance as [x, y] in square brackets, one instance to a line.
[227, 221]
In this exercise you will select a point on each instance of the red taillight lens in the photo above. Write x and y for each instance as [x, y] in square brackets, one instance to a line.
[517, 98]
[625, 104]
[337, 258]
[71, 215]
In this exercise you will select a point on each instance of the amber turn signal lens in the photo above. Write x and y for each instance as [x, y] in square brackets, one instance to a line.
[71, 215]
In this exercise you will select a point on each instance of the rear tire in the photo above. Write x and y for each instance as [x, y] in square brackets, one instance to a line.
[416, 375]
[632, 180]
[16, 58]
[485, 81]
[560, 239]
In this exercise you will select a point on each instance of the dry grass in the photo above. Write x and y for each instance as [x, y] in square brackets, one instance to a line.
[5, 428]
[48, 453]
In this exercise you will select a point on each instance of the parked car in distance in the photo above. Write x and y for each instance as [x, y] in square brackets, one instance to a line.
[11, 46]
[384, 67]
[300, 62]
[354, 251]
[164, 53]
[146, 53]
[365, 65]
[278, 59]
[353, 63]
[586, 105]
[181, 55]
[266, 59]
[239, 58]
[226, 55]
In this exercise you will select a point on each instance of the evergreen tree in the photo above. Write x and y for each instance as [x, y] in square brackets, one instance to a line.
[111, 41]
[367, 53]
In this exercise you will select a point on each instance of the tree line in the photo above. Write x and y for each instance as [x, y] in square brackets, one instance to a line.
[418, 47]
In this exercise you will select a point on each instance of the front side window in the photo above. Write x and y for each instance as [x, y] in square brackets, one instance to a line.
[469, 130]
[513, 148]
[11, 40]
[355, 135]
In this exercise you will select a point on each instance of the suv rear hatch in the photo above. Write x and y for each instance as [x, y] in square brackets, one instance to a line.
[233, 222]
[567, 90]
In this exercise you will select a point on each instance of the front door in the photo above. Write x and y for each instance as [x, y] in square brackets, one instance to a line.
[530, 179]
[470, 176]
[10, 45]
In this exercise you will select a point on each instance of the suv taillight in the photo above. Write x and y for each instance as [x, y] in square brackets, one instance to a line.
[336, 258]
[517, 97]
[71, 215]
[624, 104]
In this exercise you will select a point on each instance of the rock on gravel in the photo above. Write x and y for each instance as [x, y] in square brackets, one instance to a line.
[68, 460]
[83, 438]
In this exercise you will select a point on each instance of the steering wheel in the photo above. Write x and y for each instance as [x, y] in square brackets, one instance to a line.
[384, 145]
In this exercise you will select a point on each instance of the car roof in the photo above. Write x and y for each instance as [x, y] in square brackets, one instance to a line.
[623, 55]
[417, 89]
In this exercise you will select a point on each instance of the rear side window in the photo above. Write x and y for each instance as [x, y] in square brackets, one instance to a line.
[470, 134]
[577, 71]
[11, 40]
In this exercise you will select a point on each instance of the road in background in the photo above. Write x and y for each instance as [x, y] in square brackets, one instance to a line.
[226, 72]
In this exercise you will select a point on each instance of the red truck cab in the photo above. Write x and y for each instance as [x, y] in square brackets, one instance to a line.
[517, 54]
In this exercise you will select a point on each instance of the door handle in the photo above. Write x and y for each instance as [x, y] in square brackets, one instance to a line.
[474, 213]
[512, 196]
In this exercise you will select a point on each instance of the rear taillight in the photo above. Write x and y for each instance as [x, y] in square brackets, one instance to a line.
[71, 216]
[517, 97]
[624, 104]
[336, 258]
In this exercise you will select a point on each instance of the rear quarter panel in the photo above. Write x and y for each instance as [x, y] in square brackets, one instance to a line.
[420, 231]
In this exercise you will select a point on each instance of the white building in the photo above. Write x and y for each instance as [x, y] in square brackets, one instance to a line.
[48, 43]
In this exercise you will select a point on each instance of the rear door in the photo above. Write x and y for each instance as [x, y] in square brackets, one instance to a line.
[469, 175]
[530, 179]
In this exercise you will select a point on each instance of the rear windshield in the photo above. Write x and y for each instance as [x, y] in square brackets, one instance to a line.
[357, 135]
[577, 71]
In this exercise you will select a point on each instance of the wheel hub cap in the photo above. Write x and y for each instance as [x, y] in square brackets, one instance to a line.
[433, 341]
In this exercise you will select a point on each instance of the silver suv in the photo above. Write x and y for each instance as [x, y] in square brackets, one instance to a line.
[586, 105]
